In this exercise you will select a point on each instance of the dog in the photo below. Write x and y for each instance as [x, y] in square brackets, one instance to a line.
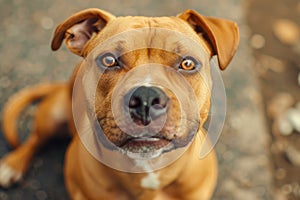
[186, 177]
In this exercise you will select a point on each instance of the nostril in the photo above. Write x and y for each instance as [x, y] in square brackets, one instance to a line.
[155, 101]
[134, 102]
[159, 104]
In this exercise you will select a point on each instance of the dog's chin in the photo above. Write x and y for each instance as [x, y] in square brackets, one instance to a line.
[146, 147]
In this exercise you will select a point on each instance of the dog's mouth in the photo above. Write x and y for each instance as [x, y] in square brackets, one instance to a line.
[146, 147]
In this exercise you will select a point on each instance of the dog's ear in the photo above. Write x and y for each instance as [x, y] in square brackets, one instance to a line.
[223, 35]
[79, 28]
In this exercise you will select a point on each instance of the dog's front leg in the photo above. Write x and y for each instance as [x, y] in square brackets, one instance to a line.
[51, 116]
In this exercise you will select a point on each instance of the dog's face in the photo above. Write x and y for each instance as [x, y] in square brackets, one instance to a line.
[144, 116]
[149, 116]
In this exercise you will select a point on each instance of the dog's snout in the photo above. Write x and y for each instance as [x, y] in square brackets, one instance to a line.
[146, 104]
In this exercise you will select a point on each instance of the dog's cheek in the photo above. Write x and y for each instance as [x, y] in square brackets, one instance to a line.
[103, 97]
[173, 122]
[107, 120]
[112, 132]
[203, 102]
[201, 91]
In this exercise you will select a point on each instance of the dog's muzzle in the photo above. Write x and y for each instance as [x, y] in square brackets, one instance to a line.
[147, 107]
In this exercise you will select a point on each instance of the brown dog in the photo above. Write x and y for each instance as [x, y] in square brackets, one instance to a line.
[86, 177]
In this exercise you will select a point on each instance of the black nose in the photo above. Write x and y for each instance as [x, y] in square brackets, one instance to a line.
[146, 104]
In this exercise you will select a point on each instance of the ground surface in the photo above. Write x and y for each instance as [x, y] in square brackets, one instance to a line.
[247, 165]
[277, 66]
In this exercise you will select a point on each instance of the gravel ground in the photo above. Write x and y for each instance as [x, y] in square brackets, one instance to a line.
[25, 59]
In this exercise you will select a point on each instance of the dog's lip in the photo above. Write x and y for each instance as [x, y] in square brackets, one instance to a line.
[155, 141]
[146, 147]
[145, 139]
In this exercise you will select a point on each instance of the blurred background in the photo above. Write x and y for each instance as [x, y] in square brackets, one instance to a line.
[259, 149]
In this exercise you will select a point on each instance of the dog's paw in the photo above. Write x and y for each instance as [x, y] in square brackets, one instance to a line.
[8, 175]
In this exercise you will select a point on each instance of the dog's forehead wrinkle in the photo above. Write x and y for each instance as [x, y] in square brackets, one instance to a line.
[120, 46]
[142, 21]
[122, 24]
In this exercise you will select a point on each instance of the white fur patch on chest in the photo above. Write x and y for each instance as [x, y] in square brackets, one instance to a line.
[151, 181]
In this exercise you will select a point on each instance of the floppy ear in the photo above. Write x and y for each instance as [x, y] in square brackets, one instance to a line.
[223, 35]
[79, 28]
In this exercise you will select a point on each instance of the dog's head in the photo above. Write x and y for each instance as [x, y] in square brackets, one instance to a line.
[134, 55]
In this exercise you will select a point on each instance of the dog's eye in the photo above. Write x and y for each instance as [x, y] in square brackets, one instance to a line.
[106, 60]
[188, 64]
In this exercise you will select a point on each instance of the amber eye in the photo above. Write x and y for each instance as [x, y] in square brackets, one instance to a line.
[106, 60]
[188, 64]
